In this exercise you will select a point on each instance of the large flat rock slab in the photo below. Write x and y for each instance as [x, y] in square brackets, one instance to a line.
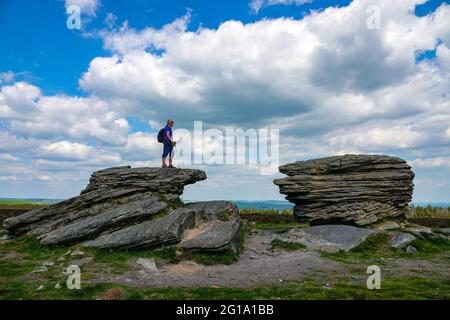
[212, 236]
[166, 230]
[110, 219]
[327, 237]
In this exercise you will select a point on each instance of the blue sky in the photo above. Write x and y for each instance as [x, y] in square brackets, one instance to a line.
[71, 101]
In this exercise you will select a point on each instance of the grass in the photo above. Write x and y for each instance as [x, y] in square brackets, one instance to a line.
[118, 261]
[15, 283]
[284, 212]
[273, 225]
[429, 212]
[288, 245]
[408, 287]
[376, 248]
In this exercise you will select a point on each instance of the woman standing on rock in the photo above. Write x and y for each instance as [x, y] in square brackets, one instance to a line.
[168, 144]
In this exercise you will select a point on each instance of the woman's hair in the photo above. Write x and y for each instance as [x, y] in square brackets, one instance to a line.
[169, 121]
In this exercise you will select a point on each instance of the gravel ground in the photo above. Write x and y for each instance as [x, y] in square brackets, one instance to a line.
[258, 264]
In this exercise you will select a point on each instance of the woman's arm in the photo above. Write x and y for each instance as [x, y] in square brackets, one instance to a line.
[170, 138]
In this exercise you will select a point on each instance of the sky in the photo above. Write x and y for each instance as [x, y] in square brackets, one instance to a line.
[335, 77]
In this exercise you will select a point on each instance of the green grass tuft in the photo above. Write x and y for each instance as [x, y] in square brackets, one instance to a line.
[288, 245]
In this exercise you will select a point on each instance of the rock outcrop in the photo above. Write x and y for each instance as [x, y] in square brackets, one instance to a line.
[350, 189]
[330, 238]
[124, 208]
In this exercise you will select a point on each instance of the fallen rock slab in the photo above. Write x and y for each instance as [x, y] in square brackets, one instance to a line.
[401, 239]
[166, 230]
[330, 238]
[212, 236]
[148, 264]
[110, 219]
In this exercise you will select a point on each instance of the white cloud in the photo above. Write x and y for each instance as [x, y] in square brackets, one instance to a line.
[431, 162]
[87, 7]
[65, 150]
[6, 77]
[142, 146]
[8, 178]
[381, 138]
[7, 157]
[328, 82]
[32, 114]
[257, 5]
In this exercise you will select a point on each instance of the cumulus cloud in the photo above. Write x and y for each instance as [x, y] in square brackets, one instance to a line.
[6, 77]
[257, 5]
[65, 150]
[330, 84]
[328, 63]
[32, 114]
[87, 7]
[431, 162]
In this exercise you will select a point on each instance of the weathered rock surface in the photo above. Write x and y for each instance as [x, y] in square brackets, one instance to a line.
[123, 208]
[330, 238]
[350, 189]
[386, 225]
[212, 236]
[401, 239]
[218, 228]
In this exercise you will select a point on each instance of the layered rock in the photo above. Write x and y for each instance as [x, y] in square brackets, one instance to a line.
[124, 207]
[350, 189]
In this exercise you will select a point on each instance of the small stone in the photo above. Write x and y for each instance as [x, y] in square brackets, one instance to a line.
[280, 280]
[40, 288]
[48, 263]
[401, 239]
[147, 263]
[420, 231]
[4, 237]
[57, 286]
[77, 253]
[327, 286]
[83, 261]
[445, 231]
[41, 269]
[411, 249]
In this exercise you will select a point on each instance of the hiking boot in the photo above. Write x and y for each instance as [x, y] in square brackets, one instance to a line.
[164, 166]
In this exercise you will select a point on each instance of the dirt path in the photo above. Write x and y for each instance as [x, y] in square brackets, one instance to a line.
[258, 264]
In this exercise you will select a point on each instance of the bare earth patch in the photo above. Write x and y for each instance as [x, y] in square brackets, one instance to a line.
[258, 264]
